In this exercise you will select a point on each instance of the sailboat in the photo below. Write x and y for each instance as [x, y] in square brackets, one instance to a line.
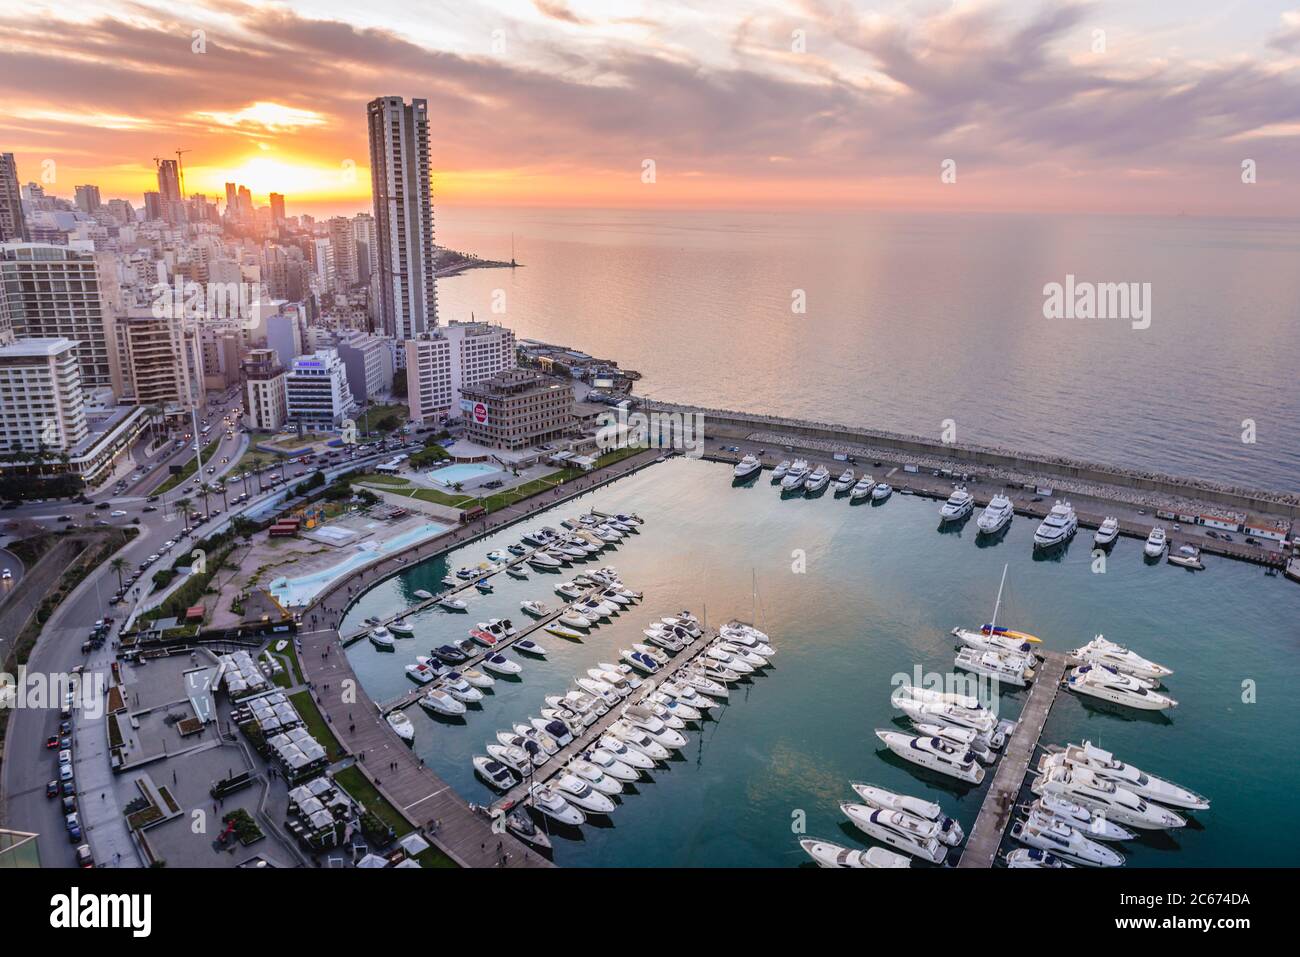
[1016, 648]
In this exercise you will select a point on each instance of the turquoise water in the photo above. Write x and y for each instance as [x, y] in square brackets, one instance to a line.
[299, 591]
[881, 590]
[462, 472]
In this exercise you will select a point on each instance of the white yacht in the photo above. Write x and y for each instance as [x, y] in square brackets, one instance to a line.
[949, 831]
[994, 639]
[453, 604]
[554, 806]
[401, 628]
[881, 492]
[1104, 682]
[1156, 543]
[595, 776]
[1103, 652]
[1107, 532]
[494, 773]
[862, 489]
[968, 738]
[907, 833]
[946, 713]
[778, 473]
[817, 479]
[382, 638]
[498, 664]
[1092, 823]
[637, 740]
[638, 716]
[399, 722]
[996, 516]
[455, 684]
[834, 856]
[845, 481]
[529, 745]
[747, 467]
[1033, 857]
[421, 673]
[443, 703]
[1083, 786]
[581, 794]
[613, 766]
[574, 619]
[512, 756]
[1106, 766]
[933, 754]
[535, 608]
[794, 476]
[1008, 669]
[543, 560]
[529, 647]
[1058, 527]
[1057, 837]
[632, 757]
[960, 504]
[421, 594]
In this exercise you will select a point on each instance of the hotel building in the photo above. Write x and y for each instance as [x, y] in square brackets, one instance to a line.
[518, 409]
[440, 364]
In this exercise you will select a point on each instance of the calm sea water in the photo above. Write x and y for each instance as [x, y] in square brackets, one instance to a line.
[881, 590]
[915, 319]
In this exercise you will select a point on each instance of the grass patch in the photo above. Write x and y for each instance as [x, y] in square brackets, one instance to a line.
[375, 478]
[188, 469]
[316, 724]
[361, 790]
[383, 417]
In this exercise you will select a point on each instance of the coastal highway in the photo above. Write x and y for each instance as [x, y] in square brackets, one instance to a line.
[28, 765]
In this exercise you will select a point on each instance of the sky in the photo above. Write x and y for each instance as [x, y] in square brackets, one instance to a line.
[1118, 107]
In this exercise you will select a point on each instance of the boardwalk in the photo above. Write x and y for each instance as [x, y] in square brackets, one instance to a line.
[999, 802]
[422, 797]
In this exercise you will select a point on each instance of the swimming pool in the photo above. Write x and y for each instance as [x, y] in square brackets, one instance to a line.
[463, 472]
[299, 591]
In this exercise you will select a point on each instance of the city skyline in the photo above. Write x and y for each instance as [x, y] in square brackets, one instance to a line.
[549, 103]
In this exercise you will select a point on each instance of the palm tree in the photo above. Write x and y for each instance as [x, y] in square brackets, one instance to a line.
[117, 564]
[183, 504]
[258, 461]
[221, 487]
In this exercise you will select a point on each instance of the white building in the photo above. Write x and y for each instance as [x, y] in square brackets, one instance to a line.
[41, 402]
[265, 396]
[369, 361]
[316, 390]
[441, 363]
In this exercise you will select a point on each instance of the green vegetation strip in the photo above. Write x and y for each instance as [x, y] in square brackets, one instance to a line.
[316, 724]
[359, 787]
[187, 471]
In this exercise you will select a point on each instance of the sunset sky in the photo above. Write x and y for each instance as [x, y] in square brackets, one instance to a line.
[559, 102]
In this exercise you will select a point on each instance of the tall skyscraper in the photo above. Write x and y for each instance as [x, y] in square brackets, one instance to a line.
[13, 227]
[169, 181]
[399, 171]
[277, 208]
[343, 244]
[231, 199]
[87, 198]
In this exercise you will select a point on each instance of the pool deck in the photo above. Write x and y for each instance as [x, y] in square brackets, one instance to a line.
[999, 803]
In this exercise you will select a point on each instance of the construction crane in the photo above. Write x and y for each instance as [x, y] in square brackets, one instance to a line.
[180, 170]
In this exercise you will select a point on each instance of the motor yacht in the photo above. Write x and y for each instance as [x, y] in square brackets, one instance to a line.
[778, 473]
[420, 673]
[664, 639]
[535, 608]
[1033, 857]
[627, 671]
[513, 757]
[477, 678]
[529, 745]
[499, 627]
[881, 492]
[672, 708]
[747, 640]
[423, 595]
[1083, 786]
[615, 680]
[581, 794]
[1104, 682]
[497, 555]
[563, 631]
[618, 749]
[601, 689]
[543, 561]
[1104, 652]
[1058, 838]
[728, 659]
[1156, 543]
[845, 481]
[400, 723]
[1107, 767]
[555, 807]
[747, 466]
[481, 637]
[896, 829]
[453, 604]
[570, 590]
[862, 488]
[933, 696]
[641, 717]
[960, 504]
[686, 694]
[1092, 823]
[596, 777]
[499, 664]
[642, 663]
[484, 586]
[529, 647]
[400, 628]
[450, 654]
[934, 754]
[381, 638]
[948, 830]
[521, 826]
[572, 619]
[439, 701]
[494, 773]
[1187, 556]
[556, 729]
[795, 476]
[613, 766]
[994, 640]
[527, 731]
[1107, 532]
[830, 855]
[638, 740]
[454, 683]
[1008, 669]
[744, 653]
[968, 738]
[817, 479]
[1058, 527]
[996, 516]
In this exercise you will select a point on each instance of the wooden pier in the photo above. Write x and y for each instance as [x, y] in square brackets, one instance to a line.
[999, 803]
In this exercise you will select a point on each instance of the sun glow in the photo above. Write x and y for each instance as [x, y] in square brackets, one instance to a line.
[300, 178]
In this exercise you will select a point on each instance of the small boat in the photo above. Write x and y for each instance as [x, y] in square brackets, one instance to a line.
[500, 628]
[443, 703]
[560, 631]
[494, 773]
[529, 647]
[1024, 857]
[498, 664]
[521, 826]
[381, 638]
[1187, 556]
[960, 504]
[450, 654]
[881, 492]
[401, 628]
[568, 590]
[830, 855]
[514, 571]
[555, 807]
[453, 604]
[1107, 532]
[400, 723]
[845, 482]
[454, 684]
[477, 678]
[817, 479]
[535, 608]
[420, 673]
[747, 466]
[1156, 543]
[496, 556]
[572, 619]
[516, 549]
[421, 594]
[483, 585]
[541, 560]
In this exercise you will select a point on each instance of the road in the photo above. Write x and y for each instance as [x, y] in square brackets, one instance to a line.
[28, 765]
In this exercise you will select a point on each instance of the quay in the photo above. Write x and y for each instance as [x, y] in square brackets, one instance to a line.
[1000, 801]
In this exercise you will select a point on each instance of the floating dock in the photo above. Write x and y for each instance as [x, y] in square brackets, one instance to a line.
[1000, 801]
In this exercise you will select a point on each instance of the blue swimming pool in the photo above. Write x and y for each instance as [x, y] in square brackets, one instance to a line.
[462, 472]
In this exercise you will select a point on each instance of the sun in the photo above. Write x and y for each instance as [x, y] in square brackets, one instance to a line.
[298, 177]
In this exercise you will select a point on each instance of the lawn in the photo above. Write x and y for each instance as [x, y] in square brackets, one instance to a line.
[378, 413]
[316, 724]
[376, 479]
[359, 787]
[187, 471]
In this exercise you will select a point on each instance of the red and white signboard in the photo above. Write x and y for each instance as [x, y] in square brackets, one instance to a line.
[480, 413]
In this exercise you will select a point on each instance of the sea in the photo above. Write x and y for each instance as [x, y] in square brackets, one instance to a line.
[926, 323]
[857, 599]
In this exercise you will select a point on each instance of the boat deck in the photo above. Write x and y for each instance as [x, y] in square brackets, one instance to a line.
[999, 803]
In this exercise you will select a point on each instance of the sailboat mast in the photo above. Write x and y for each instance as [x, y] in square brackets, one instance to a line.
[998, 603]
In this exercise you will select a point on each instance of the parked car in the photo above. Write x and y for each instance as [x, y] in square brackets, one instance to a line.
[52, 788]
[84, 857]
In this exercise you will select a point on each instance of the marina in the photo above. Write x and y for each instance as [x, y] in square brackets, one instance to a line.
[847, 625]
